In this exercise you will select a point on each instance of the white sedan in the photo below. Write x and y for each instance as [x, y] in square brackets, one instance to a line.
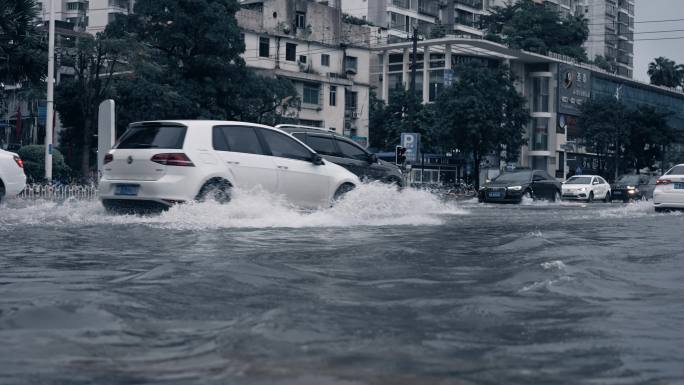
[669, 191]
[586, 188]
[12, 177]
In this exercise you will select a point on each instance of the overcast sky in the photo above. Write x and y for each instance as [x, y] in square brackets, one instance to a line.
[645, 51]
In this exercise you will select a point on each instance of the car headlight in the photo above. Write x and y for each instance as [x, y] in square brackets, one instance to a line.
[631, 187]
[515, 188]
[582, 189]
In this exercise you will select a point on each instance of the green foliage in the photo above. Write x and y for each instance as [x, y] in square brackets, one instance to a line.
[34, 162]
[533, 27]
[22, 53]
[269, 99]
[666, 72]
[639, 134]
[349, 19]
[387, 122]
[601, 62]
[481, 112]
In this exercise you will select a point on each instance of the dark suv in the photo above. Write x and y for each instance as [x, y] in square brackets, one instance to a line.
[340, 150]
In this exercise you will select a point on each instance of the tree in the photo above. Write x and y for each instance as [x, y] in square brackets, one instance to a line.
[534, 27]
[21, 49]
[665, 72]
[604, 127]
[603, 63]
[34, 162]
[482, 112]
[650, 133]
[93, 61]
[270, 99]
[388, 121]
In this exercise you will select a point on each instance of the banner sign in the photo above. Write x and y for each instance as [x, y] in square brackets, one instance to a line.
[574, 88]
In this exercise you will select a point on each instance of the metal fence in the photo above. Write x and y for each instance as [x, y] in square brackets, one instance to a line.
[58, 192]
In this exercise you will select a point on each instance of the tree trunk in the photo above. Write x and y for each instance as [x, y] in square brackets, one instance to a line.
[476, 169]
[85, 159]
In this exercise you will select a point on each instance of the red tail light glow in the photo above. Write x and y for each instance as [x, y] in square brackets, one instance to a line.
[173, 159]
[663, 181]
[108, 158]
[20, 162]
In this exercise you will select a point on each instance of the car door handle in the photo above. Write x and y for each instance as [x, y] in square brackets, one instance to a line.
[283, 167]
[231, 162]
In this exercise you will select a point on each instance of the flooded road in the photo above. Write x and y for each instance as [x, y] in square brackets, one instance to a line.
[384, 288]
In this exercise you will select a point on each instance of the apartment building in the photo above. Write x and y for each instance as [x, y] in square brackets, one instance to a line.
[611, 22]
[90, 16]
[327, 60]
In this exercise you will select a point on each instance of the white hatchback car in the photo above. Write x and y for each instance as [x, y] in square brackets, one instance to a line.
[12, 177]
[669, 191]
[160, 163]
[586, 188]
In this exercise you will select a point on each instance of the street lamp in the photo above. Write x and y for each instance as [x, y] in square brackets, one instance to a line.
[50, 94]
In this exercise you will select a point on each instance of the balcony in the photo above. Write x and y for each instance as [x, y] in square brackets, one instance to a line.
[429, 8]
[477, 4]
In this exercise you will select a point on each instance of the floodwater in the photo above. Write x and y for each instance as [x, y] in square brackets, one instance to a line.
[385, 288]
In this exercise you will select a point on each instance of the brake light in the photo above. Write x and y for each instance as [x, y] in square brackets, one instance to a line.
[663, 181]
[173, 159]
[108, 158]
[20, 162]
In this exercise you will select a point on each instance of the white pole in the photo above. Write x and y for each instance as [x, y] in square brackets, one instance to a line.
[50, 94]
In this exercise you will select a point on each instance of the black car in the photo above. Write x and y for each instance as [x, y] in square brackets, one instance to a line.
[633, 187]
[340, 150]
[512, 186]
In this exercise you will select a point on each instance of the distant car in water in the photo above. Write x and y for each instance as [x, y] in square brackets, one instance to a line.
[157, 164]
[586, 188]
[12, 177]
[513, 186]
[634, 187]
[669, 191]
[340, 150]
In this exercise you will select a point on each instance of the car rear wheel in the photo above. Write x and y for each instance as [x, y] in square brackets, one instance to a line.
[591, 197]
[556, 196]
[342, 191]
[607, 198]
[2, 191]
[218, 190]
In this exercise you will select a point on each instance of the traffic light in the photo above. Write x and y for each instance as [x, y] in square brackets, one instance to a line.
[399, 155]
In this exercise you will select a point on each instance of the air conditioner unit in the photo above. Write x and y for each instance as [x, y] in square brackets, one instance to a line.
[351, 71]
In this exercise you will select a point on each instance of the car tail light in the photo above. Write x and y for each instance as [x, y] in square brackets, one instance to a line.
[663, 181]
[173, 159]
[108, 158]
[20, 162]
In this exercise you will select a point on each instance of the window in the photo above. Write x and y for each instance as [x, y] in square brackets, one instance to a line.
[283, 146]
[112, 16]
[540, 134]
[333, 95]
[351, 150]
[236, 139]
[302, 59]
[299, 135]
[300, 19]
[540, 95]
[75, 6]
[290, 51]
[325, 60]
[676, 170]
[351, 63]
[311, 93]
[538, 177]
[153, 136]
[323, 145]
[350, 100]
[264, 46]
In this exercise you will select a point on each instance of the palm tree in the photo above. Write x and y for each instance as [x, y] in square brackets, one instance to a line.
[665, 72]
[20, 45]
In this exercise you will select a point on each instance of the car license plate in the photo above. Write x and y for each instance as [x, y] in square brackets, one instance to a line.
[126, 189]
[679, 186]
[617, 193]
[494, 194]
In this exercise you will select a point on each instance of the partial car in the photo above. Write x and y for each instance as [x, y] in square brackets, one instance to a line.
[160, 163]
[669, 191]
[633, 187]
[340, 150]
[586, 188]
[513, 186]
[12, 176]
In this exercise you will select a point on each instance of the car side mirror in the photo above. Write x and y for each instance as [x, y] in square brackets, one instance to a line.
[317, 160]
[372, 158]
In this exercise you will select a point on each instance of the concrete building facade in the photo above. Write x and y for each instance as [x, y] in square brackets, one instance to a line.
[86, 15]
[327, 60]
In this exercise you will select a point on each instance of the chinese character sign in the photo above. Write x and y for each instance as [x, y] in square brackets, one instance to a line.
[574, 88]
[411, 141]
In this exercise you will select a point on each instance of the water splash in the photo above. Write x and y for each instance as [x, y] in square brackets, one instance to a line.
[371, 204]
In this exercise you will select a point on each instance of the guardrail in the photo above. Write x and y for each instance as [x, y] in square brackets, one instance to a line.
[58, 192]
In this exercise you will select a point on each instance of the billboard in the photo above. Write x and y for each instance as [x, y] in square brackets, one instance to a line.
[574, 88]
[411, 142]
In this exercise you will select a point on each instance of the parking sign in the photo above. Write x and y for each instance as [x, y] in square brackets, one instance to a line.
[411, 141]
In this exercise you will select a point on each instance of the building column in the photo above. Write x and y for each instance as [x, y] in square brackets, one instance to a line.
[385, 76]
[405, 70]
[447, 57]
[426, 74]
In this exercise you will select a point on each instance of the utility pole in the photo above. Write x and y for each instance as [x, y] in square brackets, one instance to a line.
[50, 94]
[412, 87]
[617, 137]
